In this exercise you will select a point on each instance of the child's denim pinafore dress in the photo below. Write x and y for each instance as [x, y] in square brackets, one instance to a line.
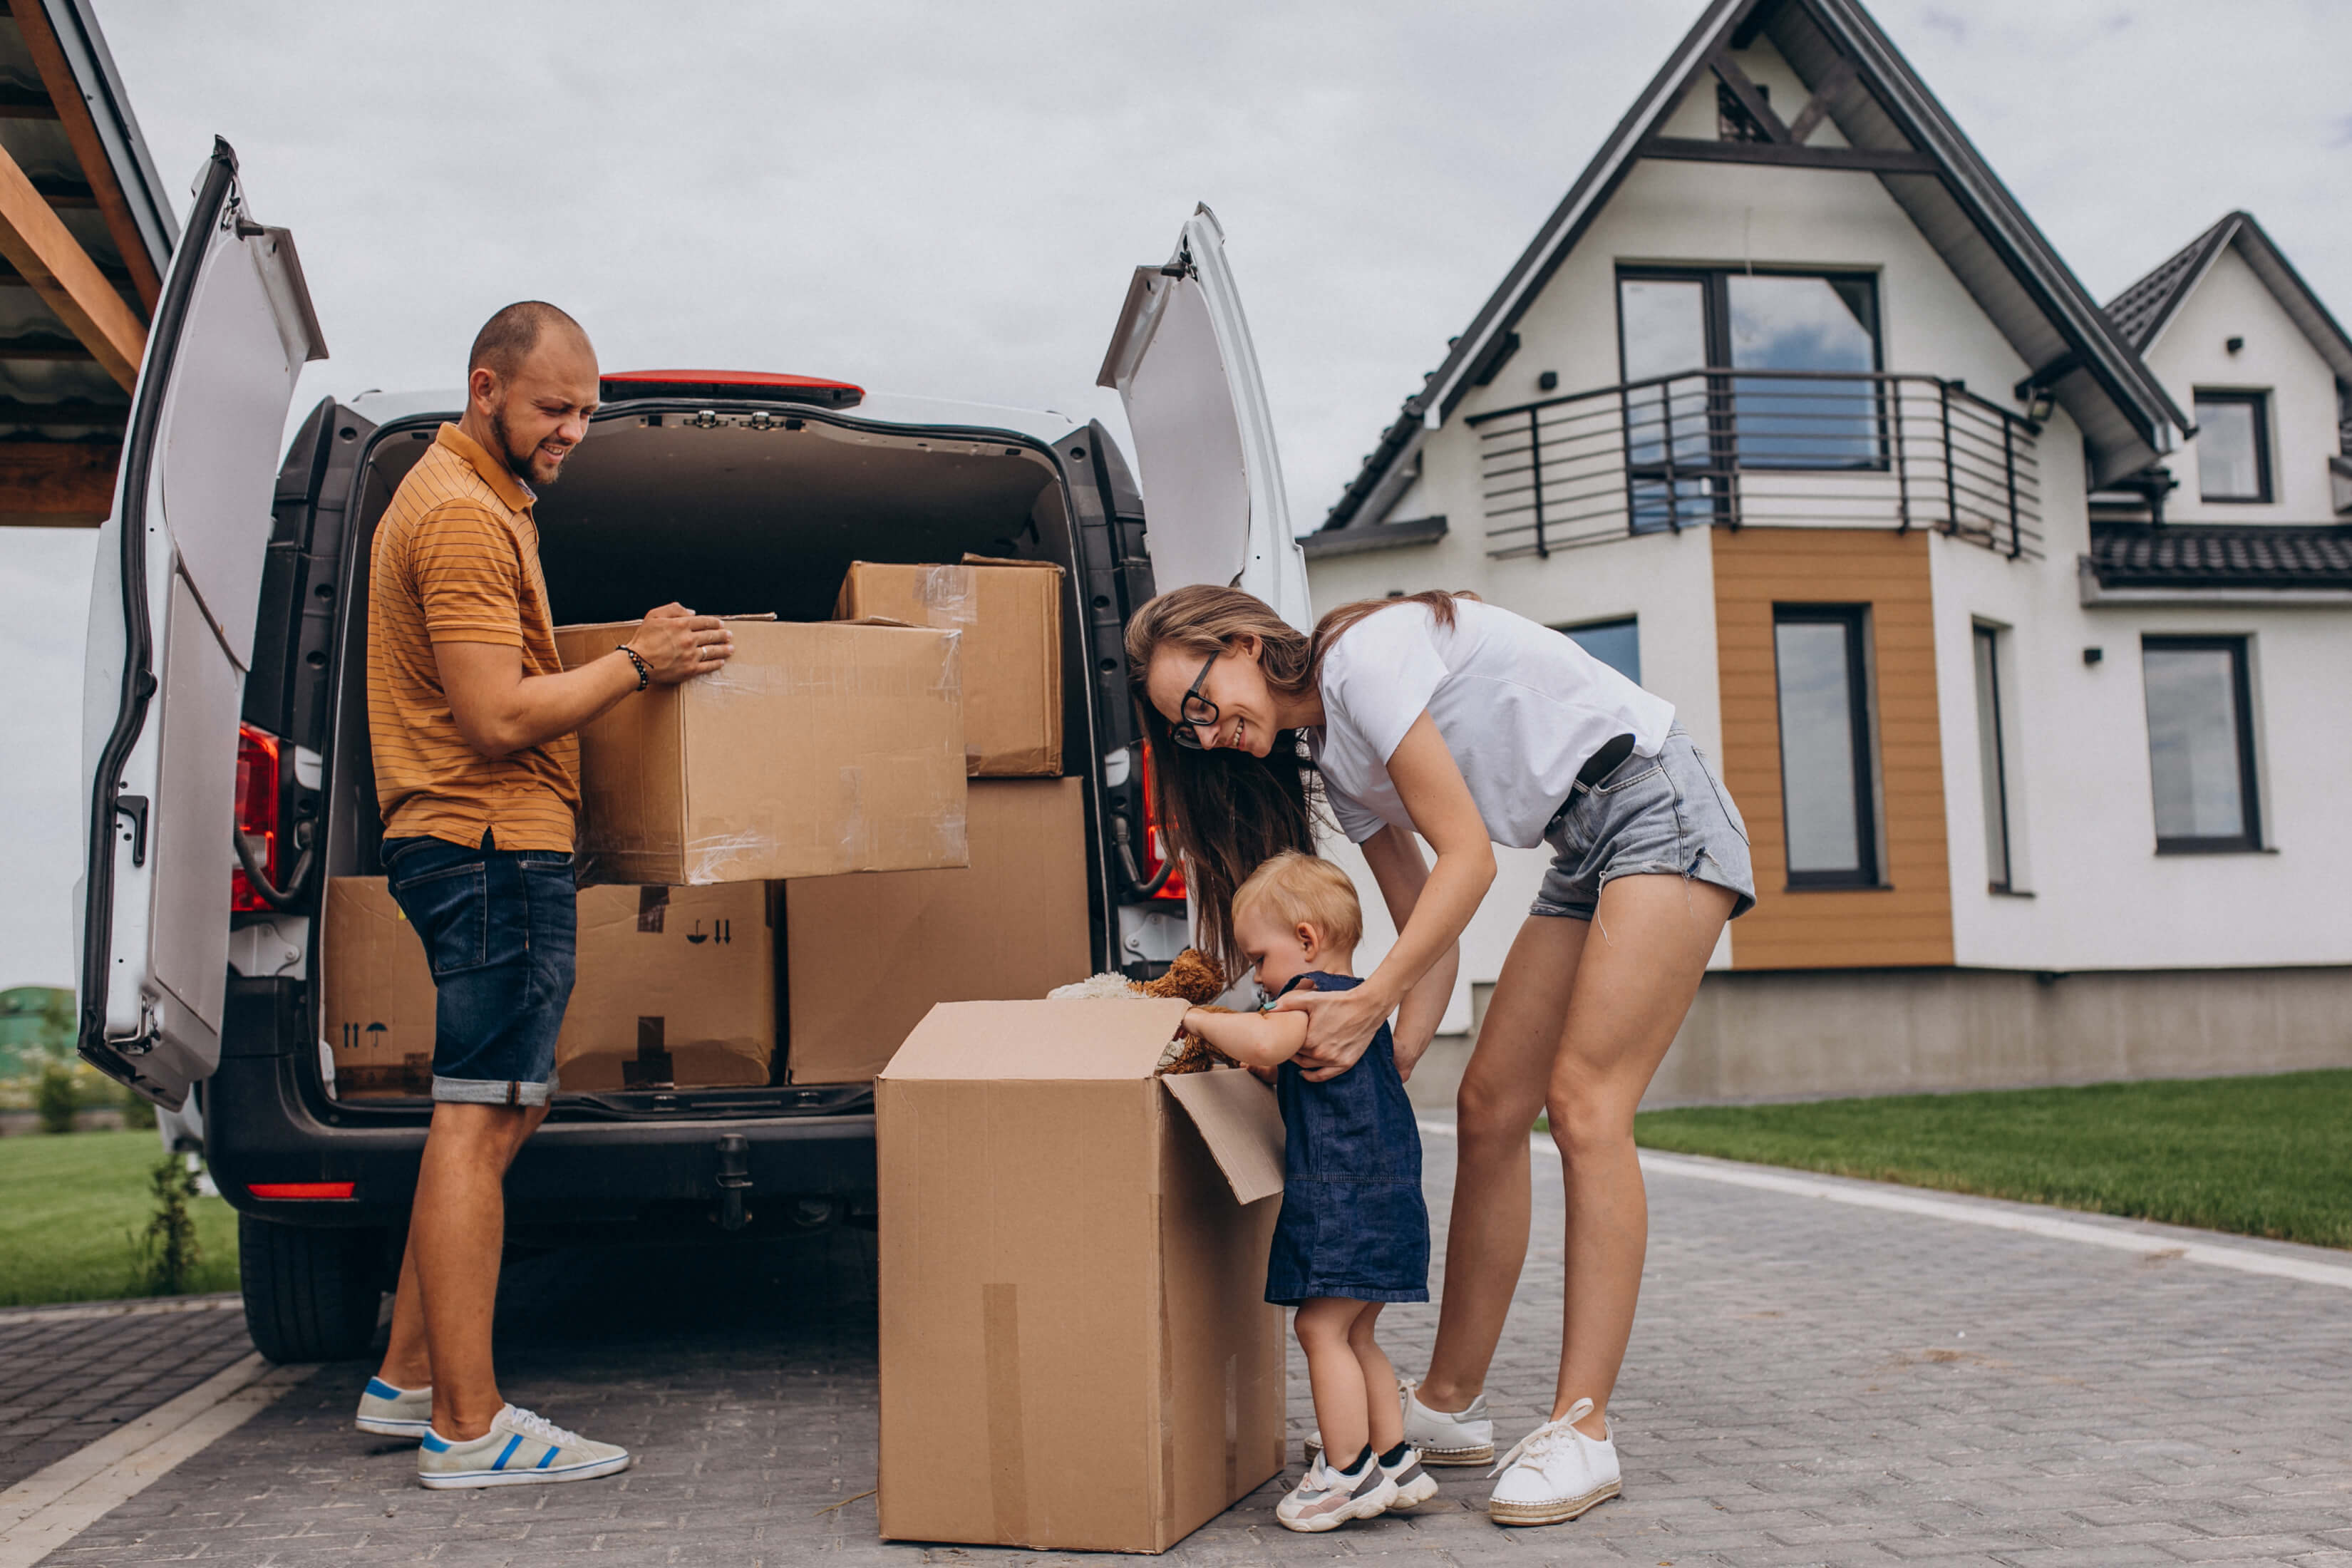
[1353, 1224]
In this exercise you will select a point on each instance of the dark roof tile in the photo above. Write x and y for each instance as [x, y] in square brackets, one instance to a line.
[2220, 555]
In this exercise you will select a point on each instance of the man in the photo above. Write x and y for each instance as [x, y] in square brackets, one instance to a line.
[472, 718]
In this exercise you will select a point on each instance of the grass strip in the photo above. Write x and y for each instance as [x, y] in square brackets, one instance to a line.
[76, 1207]
[2266, 1156]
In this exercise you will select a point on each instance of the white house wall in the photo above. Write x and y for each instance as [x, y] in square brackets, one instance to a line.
[2192, 352]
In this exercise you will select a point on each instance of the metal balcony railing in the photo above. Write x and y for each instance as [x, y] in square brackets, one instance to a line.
[1776, 448]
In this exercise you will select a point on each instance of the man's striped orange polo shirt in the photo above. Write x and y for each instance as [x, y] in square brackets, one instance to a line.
[456, 560]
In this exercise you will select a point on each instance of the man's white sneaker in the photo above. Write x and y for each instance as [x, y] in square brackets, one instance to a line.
[391, 1412]
[520, 1449]
[1326, 1498]
[1462, 1438]
[1555, 1473]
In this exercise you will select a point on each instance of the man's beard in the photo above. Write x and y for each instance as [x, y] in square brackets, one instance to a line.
[519, 462]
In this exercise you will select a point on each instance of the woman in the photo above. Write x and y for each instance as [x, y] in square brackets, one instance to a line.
[1439, 715]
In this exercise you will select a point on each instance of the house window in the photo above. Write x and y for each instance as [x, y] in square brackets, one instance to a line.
[1617, 643]
[1992, 759]
[2201, 744]
[1827, 787]
[1732, 120]
[2234, 445]
[1685, 429]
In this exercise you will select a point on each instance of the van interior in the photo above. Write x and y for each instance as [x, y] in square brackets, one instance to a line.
[735, 513]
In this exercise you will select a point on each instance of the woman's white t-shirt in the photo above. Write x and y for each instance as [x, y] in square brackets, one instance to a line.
[1521, 707]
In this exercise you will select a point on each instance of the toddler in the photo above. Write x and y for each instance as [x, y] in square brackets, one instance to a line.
[1353, 1232]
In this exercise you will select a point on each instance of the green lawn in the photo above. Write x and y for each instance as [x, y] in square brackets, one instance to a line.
[72, 1208]
[2260, 1156]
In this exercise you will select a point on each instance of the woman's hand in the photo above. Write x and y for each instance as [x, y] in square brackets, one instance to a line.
[1339, 1026]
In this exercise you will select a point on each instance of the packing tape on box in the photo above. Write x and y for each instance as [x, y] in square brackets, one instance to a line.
[707, 859]
[1008, 1447]
[949, 597]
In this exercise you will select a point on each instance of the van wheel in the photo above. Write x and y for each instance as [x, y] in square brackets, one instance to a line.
[311, 1294]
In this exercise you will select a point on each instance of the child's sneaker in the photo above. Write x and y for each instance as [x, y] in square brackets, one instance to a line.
[391, 1412]
[520, 1449]
[1414, 1485]
[1326, 1498]
[1463, 1437]
[1555, 1473]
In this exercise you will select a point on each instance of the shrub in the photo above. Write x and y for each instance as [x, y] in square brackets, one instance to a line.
[168, 1253]
[137, 1112]
[56, 1096]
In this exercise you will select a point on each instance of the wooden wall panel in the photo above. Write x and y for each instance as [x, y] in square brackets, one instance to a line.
[1909, 920]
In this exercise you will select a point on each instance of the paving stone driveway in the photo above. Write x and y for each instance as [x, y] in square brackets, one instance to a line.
[69, 1376]
[1810, 1383]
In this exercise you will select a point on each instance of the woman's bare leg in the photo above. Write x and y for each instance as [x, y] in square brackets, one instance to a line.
[1650, 942]
[1503, 1088]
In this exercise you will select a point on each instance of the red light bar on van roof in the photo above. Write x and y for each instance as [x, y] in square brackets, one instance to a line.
[730, 383]
[301, 1190]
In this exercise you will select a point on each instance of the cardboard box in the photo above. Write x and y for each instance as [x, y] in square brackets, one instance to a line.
[1073, 1280]
[866, 956]
[676, 988]
[820, 748]
[377, 1006]
[1010, 613]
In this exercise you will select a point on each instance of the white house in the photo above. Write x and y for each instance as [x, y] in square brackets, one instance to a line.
[2019, 628]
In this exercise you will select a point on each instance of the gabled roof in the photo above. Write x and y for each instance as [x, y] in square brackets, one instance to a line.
[1896, 129]
[2142, 311]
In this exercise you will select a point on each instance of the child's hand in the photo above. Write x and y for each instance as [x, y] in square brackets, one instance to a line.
[1265, 1075]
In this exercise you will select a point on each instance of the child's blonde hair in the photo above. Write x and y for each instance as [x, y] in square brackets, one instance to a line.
[1306, 889]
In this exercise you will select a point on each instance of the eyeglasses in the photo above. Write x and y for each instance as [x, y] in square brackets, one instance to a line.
[1196, 712]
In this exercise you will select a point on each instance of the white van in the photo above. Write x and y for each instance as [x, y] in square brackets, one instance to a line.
[226, 739]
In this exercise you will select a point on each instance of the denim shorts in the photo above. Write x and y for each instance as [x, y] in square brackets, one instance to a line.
[1661, 815]
[499, 927]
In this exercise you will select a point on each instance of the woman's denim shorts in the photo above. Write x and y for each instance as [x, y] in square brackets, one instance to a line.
[1663, 816]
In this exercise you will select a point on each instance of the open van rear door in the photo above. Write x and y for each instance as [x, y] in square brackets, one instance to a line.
[171, 638]
[1180, 357]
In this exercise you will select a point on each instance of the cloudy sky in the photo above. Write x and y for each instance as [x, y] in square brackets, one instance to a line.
[947, 199]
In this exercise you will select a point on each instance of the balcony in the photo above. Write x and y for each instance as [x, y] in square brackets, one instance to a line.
[1734, 448]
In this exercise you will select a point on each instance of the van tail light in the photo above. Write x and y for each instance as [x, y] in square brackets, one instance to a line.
[1155, 843]
[258, 817]
[302, 1192]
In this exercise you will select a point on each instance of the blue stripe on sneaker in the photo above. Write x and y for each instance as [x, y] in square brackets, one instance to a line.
[547, 1458]
[434, 1443]
[508, 1452]
[382, 1390]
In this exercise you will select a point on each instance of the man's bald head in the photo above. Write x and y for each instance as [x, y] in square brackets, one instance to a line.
[530, 387]
[508, 338]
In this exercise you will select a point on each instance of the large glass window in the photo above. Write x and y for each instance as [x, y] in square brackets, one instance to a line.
[1813, 326]
[1991, 761]
[1617, 643]
[1822, 671]
[1662, 326]
[2201, 744]
[2233, 457]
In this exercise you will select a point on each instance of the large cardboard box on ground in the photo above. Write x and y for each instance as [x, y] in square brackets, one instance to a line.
[1010, 614]
[866, 956]
[1076, 1353]
[676, 988]
[820, 748]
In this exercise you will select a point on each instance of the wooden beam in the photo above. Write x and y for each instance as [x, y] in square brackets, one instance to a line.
[58, 484]
[81, 130]
[1727, 71]
[1817, 108]
[1869, 160]
[46, 254]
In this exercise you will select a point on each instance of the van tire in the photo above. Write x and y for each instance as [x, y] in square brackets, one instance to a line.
[310, 1293]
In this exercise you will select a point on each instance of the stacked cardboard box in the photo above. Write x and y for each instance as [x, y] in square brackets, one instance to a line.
[1009, 617]
[1073, 1280]
[676, 989]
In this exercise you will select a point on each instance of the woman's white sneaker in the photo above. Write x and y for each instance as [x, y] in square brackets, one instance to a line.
[1462, 1438]
[1555, 1473]
[520, 1449]
[390, 1412]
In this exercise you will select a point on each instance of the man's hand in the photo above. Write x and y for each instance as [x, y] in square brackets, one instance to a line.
[679, 645]
[1339, 1026]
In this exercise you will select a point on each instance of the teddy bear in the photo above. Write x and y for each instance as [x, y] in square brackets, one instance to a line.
[1193, 977]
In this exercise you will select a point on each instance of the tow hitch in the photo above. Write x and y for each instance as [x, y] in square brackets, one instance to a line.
[734, 1182]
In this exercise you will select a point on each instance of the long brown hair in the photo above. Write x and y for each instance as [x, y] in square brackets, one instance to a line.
[1225, 813]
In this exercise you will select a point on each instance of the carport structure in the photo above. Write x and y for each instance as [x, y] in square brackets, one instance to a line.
[85, 233]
